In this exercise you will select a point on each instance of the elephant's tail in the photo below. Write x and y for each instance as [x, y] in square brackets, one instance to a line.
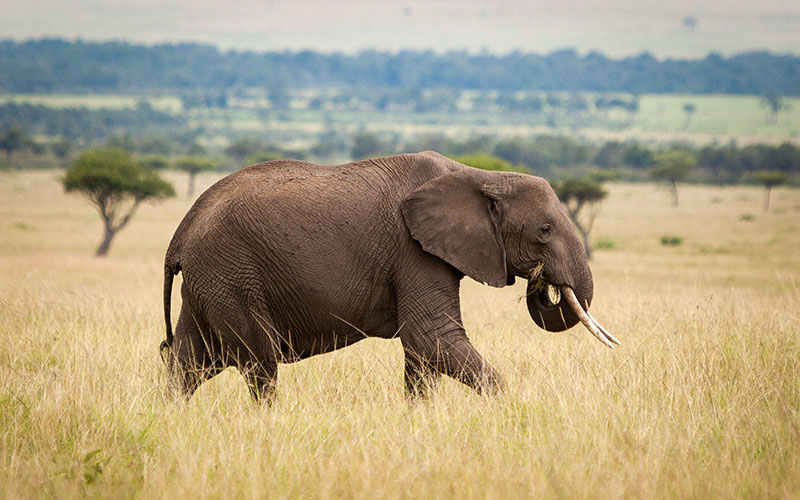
[170, 270]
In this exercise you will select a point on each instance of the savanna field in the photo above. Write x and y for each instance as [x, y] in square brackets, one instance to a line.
[701, 399]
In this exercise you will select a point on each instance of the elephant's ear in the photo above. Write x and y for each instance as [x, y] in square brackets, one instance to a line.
[457, 218]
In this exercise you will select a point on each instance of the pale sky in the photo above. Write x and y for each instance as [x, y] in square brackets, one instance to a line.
[615, 27]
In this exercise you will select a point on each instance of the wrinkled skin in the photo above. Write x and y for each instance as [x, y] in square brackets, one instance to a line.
[284, 260]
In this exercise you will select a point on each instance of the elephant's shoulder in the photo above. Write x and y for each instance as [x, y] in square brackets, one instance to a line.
[419, 167]
[436, 162]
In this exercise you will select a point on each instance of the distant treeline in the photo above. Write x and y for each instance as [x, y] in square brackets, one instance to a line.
[551, 156]
[87, 125]
[555, 156]
[63, 66]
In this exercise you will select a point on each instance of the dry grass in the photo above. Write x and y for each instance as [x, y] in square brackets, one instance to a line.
[702, 398]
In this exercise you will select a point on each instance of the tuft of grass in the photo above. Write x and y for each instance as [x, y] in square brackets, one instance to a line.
[747, 217]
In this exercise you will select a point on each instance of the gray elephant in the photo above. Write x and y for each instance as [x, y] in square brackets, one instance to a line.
[286, 259]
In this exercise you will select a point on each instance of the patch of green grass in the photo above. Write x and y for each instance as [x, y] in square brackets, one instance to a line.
[712, 250]
[605, 244]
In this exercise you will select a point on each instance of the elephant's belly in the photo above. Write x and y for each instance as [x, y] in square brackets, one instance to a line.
[336, 334]
[311, 346]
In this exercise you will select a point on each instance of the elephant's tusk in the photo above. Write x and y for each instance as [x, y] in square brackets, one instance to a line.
[591, 325]
[605, 332]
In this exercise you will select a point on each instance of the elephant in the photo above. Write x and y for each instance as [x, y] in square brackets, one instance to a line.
[286, 259]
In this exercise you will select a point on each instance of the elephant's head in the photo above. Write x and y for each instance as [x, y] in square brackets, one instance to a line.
[495, 226]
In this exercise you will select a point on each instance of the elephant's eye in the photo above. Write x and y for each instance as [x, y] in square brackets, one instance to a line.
[545, 232]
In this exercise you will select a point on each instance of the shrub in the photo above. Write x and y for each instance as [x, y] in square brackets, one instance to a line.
[671, 241]
[604, 245]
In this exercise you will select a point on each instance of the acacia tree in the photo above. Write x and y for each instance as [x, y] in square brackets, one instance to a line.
[770, 179]
[689, 109]
[581, 198]
[366, 145]
[673, 167]
[193, 165]
[115, 184]
[12, 140]
[775, 104]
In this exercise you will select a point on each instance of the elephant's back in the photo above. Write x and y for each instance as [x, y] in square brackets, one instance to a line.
[357, 197]
[294, 215]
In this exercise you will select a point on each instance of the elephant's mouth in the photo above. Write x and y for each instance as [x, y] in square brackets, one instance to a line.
[556, 308]
[546, 295]
[542, 292]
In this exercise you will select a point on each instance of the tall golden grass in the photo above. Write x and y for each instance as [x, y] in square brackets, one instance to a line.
[702, 398]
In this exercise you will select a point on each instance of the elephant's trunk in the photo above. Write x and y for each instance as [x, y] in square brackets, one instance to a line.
[557, 308]
[544, 289]
[546, 307]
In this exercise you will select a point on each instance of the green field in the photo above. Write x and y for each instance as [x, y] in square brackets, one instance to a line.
[717, 117]
[700, 400]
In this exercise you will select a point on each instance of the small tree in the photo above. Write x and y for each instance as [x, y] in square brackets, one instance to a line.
[13, 139]
[578, 194]
[62, 149]
[775, 104]
[244, 148]
[689, 109]
[193, 165]
[366, 145]
[673, 167]
[770, 179]
[153, 162]
[113, 181]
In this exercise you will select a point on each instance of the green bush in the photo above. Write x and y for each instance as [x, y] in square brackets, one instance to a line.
[671, 241]
[487, 162]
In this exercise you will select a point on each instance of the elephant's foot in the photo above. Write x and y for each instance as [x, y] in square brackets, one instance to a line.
[262, 382]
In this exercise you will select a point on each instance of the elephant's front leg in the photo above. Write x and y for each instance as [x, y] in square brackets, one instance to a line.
[428, 355]
[434, 340]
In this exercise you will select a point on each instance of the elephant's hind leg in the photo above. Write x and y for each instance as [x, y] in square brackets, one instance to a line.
[261, 379]
[249, 344]
[190, 361]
